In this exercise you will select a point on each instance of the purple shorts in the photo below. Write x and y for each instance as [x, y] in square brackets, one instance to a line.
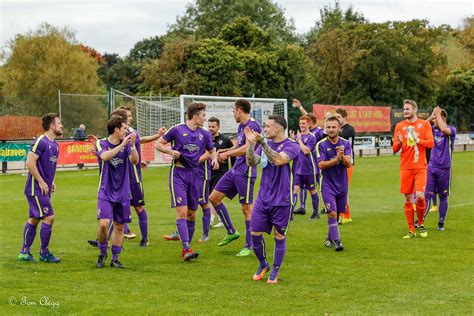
[334, 203]
[306, 181]
[117, 211]
[438, 180]
[40, 206]
[138, 198]
[231, 184]
[205, 188]
[264, 217]
[185, 187]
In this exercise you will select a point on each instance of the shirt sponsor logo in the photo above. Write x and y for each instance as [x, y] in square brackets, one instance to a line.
[191, 147]
[53, 158]
[116, 161]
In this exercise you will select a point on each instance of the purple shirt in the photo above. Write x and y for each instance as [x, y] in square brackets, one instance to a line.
[114, 183]
[318, 133]
[135, 170]
[240, 167]
[48, 152]
[305, 164]
[334, 179]
[441, 153]
[191, 144]
[276, 184]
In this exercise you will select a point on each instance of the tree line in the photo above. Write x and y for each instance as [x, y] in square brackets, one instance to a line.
[248, 47]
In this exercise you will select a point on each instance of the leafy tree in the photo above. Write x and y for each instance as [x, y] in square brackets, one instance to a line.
[205, 18]
[456, 97]
[243, 33]
[148, 48]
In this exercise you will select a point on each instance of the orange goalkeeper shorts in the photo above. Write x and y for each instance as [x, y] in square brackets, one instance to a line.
[349, 173]
[412, 180]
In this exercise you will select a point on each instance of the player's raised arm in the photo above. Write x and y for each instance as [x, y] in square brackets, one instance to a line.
[147, 139]
[278, 159]
[107, 155]
[441, 122]
[298, 105]
[251, 158]
[133, 150]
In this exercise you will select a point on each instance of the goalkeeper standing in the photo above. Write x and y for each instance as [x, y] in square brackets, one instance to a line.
[413, 136]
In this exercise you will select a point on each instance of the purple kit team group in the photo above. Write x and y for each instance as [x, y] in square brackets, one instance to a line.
[289, 165]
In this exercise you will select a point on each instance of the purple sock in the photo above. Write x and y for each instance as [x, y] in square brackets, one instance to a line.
[111, 229]
[103, 248]
[443, 208]
[116, 250]
[206, 220]
[143, 222]
[258, 245]
[45, 235]
[333, 229]
[191, 227]
[303, 198]
[279, 254]
[183, 232]
[248, 235]
[315, 200]
[29, 234]
[221, 210]
[125, 228]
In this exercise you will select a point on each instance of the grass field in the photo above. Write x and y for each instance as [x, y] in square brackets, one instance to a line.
[377, 273]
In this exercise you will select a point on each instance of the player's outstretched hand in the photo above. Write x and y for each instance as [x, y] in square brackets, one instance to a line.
[292, 134]
[44, 188]
[258, 137]
[92, 138]
[128, 139]
[297, 103]
[161, 132]
[53, 187]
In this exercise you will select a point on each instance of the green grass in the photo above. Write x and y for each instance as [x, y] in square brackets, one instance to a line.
[377, 273]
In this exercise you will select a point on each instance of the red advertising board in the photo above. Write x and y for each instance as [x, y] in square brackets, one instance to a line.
[75, 152]
[362, 118]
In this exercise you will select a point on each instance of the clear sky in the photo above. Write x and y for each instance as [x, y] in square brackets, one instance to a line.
[114, 26]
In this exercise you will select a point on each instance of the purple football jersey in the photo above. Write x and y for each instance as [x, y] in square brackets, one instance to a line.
[276, 185]
[114, 182]
[240, 166]
[191, 144]
[334, 179]
[135, 170]
[318, 133]
[441, 153]
[48, 152]
[306, 164]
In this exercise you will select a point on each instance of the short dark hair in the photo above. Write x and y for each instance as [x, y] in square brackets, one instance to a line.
[313, 117]
[444, 113]
[47, 120]
[342, 111]
[120, 112]
[125, 107]
[114, 122]
[244, 105]
[333, 118]
[215, 120]
[194, 108]
[280, 120]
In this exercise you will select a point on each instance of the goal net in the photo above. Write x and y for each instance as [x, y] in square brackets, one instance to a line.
[153, 112]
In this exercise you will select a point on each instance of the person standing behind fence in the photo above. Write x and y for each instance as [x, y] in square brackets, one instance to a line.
[348, 133]
[80, 134]
[41, 163]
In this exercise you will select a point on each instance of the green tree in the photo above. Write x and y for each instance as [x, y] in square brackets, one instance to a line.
[40, 63]
[205, 18]
[456, 96]
[148, 48]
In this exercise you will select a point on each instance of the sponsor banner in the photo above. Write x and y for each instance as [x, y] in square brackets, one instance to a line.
[397, 115]
[383, 141]
[364, 142]
[362, 118]
[463, 139]
[75, 152]
[14, 151]
[148, 151]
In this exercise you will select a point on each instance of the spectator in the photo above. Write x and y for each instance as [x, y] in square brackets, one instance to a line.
[80, 133]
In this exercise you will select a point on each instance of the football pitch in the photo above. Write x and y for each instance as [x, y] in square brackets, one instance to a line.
[377, 273]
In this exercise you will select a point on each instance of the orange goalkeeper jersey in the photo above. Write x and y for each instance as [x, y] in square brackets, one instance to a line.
[413, 156]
